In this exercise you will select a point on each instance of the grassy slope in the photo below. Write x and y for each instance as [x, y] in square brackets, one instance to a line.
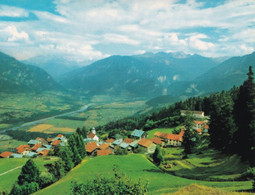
[7, 180]
[135, 166]
[210, 165]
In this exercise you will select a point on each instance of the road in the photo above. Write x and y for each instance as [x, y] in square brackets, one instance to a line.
[84, 108]
[10, 170]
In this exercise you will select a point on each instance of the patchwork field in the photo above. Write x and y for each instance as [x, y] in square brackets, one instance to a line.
[16, 109]
[94, 116]
[7, 180]
[135, 166]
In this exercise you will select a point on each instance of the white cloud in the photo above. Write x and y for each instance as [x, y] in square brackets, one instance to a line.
[9, 11]
[92, 28]
[15, 35]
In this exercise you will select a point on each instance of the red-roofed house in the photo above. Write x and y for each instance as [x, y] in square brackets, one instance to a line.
[23, 148]
[56, 142]
[36, 146]
[104, 152]
[157, 140]
[171, 139]
[110, 140]
[91, 148]
[5, 154]
[93, 136]
[104, 146]
[60, 136]
[43, 153]
[200, 126]
[147, 144]
[128, 140]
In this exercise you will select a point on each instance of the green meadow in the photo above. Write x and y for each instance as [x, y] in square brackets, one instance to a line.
[7, 180]
[135, 166]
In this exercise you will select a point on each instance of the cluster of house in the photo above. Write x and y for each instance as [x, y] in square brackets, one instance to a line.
[95, 147]
[137, 139]
[36, 147]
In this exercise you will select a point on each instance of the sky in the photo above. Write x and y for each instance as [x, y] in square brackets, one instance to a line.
[83, 30]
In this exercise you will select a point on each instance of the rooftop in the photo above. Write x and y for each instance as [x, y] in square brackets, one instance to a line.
[5, 154]
[104, 152]
[137, 133]
[145, 142]
[90, 147]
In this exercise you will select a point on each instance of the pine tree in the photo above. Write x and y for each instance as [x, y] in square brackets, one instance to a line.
[188, 143]
[245, 119]
[158, 156]
[65, 154]
[222, 126]
[29, 173]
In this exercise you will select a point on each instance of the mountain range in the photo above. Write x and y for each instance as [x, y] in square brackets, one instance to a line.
[148, 75]
[18, 77]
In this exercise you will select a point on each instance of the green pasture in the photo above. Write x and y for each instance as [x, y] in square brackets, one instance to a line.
[7, 180]
[10, 145]
[135, 166]
[208, 165]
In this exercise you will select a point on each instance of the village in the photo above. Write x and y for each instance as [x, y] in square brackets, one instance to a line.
[137, 141]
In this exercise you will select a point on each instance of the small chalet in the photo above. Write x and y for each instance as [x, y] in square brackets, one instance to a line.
[91, 148]
[157, 140]
[5, 154]
[93, 136]
[104, 152]
[104, 146]
[128, 140]
[32, 142]
[171, 139]
[147, 144]
[200, 126]
[43, 152]
[22, 148]
[110, 140]
[36, 147]
[139, 134]
[197, 114]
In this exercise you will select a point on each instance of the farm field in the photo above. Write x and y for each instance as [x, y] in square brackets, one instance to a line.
[96, 115]
[10, 145]
[16, 109]
[7, 180]
[135, 166]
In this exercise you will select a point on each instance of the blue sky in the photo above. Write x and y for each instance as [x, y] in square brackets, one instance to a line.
[85, 30]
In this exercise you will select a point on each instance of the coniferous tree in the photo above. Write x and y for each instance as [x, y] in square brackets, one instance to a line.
[28, 180]
[222, 126]
[29, 173]
[245, 119]
[158, 156]
[65, 154]
[188, 143]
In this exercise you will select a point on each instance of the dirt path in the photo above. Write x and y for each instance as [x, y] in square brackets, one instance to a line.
[10, 170]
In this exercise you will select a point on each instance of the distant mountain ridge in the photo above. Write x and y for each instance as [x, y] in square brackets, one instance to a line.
[146, 75]
[18, 77]
[222, 77]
